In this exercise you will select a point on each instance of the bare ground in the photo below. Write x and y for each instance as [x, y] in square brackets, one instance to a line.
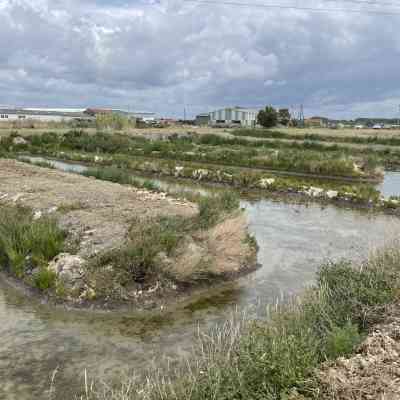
[98, 215]
[374, 372]
[100, 212]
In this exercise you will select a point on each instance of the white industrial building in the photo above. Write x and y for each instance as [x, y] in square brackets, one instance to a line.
[66, 114]
[235, 116]
[42, 114]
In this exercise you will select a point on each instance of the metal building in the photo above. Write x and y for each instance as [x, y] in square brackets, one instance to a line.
[42, 114]
[235, 116]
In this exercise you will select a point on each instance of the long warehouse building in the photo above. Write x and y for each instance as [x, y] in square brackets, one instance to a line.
[236, 116]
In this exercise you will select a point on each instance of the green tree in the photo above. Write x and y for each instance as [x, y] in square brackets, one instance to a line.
[113, 121]
[284, 116]
[267, 118]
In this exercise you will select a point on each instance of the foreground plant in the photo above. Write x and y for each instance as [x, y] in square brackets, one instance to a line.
[276, 358]
[28, 244]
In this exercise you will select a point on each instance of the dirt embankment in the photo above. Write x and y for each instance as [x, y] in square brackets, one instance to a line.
[374, 372]
[98, 217]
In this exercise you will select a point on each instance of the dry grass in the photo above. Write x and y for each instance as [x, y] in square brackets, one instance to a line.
[341, 132]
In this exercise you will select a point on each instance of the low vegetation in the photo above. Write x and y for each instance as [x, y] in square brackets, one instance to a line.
[305, 158]
[271, 134]
[276, 358]
[27, 244]
[30, 240]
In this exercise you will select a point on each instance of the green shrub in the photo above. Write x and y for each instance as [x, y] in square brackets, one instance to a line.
[211, 208]
[135, 261]
[45, 279]
[26, 243]
[341, 341]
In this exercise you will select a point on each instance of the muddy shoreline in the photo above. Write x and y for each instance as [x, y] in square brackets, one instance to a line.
[290, 196]
[160, 306]
[99, 217]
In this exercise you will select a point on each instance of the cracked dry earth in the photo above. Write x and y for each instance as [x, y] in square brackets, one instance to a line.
[374, 372]
[98, 213]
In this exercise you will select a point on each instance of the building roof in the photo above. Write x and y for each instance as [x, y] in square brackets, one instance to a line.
[63, 112]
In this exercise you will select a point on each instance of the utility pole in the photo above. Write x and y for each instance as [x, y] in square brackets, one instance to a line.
[398, 118]
[301, 116]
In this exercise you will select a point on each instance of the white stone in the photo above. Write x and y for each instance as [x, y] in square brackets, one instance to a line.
[178, 170]
[37, 215]
[332, 194]
[19, 140]
[314, 191]
[68, 268]
[265, 182]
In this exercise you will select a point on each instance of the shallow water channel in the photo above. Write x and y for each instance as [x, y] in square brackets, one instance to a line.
[294, 240]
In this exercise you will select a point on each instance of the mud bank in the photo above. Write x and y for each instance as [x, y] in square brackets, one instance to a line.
[350, 194]
[102, 218]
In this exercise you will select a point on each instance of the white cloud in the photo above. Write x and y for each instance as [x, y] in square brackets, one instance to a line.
[69, 52]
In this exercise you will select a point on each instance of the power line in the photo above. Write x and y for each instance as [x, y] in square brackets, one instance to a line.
[367, 2]
[287, 7]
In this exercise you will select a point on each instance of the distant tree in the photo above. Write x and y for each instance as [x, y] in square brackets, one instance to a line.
[268, 118]
[112, 121]
[284, 116]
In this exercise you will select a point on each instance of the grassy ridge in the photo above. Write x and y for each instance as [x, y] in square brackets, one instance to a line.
[270, 134]
[209, 149]
[275, 359]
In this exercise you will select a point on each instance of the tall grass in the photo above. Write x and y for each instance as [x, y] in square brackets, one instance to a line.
[118, 175]
[303, 157]
[269, 134]
[27, 243]
[276, 357]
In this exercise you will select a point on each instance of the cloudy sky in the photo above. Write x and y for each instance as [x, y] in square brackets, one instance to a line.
[159, 55]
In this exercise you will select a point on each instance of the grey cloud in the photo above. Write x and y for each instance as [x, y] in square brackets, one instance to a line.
[156, 55]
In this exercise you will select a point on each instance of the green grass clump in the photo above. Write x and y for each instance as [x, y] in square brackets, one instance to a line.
[212, 208]
[26, 243]
[45, 279]
[119, 175]
[136, 261]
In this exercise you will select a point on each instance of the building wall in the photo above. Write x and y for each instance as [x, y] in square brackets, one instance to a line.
[44, 118]
[246, 117]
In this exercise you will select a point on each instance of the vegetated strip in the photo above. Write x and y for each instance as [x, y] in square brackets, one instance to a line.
[120, 168]
[182, 149]
[277, 357]
[271, 134]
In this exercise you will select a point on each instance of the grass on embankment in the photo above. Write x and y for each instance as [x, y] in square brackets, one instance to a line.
[28, 244]
[137, 261]
[207, 149]
[276, 358]
[272, 134]
[29, 241]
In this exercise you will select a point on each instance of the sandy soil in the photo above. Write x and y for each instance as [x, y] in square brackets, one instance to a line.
[98, 212]
[374, 372]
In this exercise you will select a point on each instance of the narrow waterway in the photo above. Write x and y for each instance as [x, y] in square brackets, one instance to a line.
[294, 240]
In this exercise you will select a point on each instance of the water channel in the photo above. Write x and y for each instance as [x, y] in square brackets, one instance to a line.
[294, 240]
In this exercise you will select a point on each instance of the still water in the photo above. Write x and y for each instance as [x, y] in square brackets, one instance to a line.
[294, 240]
